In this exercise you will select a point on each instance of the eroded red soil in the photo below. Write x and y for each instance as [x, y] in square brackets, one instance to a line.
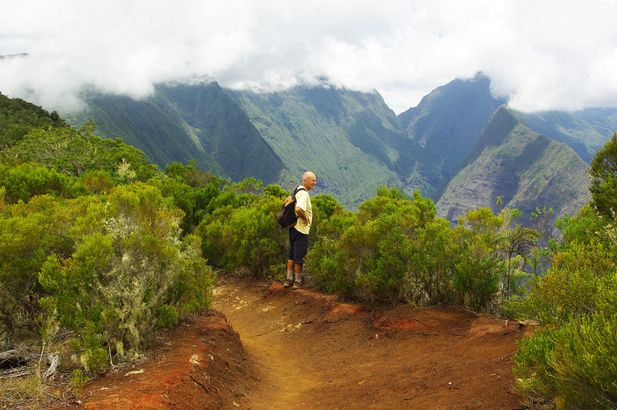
[304, 350]
[202, 365]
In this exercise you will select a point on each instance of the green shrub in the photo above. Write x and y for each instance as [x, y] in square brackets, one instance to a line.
[432, 264]
[477, 279]
[573, 361]
[191, 191]
[587, 227]
[585, 358]
[94, 358]
[367, 255]
[166, 316]
[531, 364]
[574, 365]
[604, 180]
[326, 256]
[275, 191]
[128, 275]
[78, 380]
[29, 232]
[478, 266]
[245, 238]
[96, 182]
[324, 206]
[569, 288]
[74, 152]
[27, 180]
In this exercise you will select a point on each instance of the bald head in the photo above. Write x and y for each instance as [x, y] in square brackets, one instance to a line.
[309, 180]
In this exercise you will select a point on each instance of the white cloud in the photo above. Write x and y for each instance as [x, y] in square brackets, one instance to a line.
[544, 54]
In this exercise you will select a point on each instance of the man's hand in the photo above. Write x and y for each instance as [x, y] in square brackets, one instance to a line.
[302, 215]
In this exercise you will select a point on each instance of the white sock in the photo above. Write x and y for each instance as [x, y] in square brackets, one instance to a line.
[290, 274]
[298, 276]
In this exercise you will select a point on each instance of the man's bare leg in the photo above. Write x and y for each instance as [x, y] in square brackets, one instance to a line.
[290, 273]
[298, 274]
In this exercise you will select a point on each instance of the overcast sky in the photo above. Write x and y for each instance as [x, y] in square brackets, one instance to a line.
[542, 54]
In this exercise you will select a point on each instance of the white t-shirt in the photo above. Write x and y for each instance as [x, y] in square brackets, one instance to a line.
[303, 201]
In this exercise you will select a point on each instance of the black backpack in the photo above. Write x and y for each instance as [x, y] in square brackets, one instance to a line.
[287, 217]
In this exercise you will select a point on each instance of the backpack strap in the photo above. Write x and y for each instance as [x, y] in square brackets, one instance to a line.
[300, 188]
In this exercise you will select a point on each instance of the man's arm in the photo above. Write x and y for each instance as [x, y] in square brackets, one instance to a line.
[301, 203]
[301, 214]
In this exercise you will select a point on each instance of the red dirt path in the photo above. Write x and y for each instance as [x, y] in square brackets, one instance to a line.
[202, 365]
[304, 350]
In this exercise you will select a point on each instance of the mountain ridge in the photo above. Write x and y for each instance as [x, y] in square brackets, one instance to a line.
[348, 137]
[585, 131]
[167, 130]
[527, 170]
[453, 117]
[352, 139]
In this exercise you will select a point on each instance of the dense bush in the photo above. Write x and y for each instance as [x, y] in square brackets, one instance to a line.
[86, 249]
[477, 266]
[572, 360]
[241, 234]
[29, 232]
[18, 117]
[108, 268]
[432, 264]
[128, 275]
[324, 206]
[74, 152]
[191, 191]
[366, 255]
[395, 249]
[604, 180]
[26, 180]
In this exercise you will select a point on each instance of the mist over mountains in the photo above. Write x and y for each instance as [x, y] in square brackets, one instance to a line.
[460, 146]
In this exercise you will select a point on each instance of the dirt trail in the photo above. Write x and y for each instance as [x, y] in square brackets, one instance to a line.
[284, 374]
[304, 350]
[312, 352]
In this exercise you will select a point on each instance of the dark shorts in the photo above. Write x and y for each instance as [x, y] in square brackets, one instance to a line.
[298, 244]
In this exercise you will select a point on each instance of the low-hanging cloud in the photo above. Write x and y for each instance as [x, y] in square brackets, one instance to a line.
[541, 54]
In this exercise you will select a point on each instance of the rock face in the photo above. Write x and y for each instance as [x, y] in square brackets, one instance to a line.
[526, 169]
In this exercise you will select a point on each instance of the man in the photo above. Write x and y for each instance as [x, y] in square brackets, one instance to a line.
[299, 234]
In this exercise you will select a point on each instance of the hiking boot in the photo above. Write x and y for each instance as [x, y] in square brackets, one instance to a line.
[288, 283]
[298, 284]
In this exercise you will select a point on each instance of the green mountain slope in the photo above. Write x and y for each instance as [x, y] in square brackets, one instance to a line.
[352, 140]
[528, 170]
[448, 122]
[17, 117]
[585, 131]
[37, 136]
[185, 122]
